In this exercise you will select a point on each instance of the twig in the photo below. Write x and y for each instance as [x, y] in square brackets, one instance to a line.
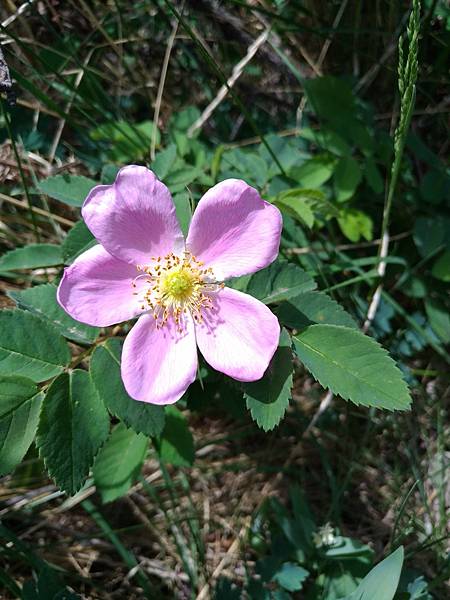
[162, 81]
[36, 210]
[22, 8]
[223, 91]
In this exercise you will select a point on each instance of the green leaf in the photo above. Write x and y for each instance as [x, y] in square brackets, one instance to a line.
[347, 177]
[70, 189]
[382, 581]
[184, 211]
[431, 233]
[177, 180]
[296, 203]
[31, 257]
[41, 300]
[72, 428]
[352, 365]
[439, 318]
[176, 443]
[164, 160]
[314, 171]
[313, 307]
[105, 374]
[331, 98]
[125, 141]
[20, 402]
[78, 240]
[30, 347]
[268, 398]
[119, 462]
[279, 281]
[441, 268]
[354, 224]
[373, 176]
[290, 576]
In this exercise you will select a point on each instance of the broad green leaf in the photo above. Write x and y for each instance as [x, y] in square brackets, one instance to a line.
[31, 257]
[119, 462]
[78, 240]
[382, 581]
[105, 374]
[373, 176]
[354, 224]
[314, 171]
[331, 99]
[431, 233]
[347, 177]
[315, 199]
[313, 307]
[70, 189]
[327, 139]
[279, 281]
[20, 402]
[290, 576]
[441, 267]
[295, 203]
[73, 425]
[30, 347]
[164, 160]
[176, 443]
[41, 300]
[184, 211]
[439, 318]
[352, 365]
[125, 141]
[178, 180]
[268, 398]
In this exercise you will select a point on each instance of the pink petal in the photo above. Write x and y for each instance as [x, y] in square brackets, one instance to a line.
[96, 289]
[234, 231]
[239, 337]
[158, 365]
[134, 218]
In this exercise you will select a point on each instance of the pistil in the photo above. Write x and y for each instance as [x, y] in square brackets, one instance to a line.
[177, 285]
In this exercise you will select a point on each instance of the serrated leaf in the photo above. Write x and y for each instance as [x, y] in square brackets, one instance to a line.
[78, 240]
[354, 224]
[176, 443]
[164, 161]
[70, 189]
[125, 141]
[268, 398]
[296, 206]
[352, 365]
[119, 462]
[41, 300]
[382, 581]
[439, 318]
[347, 177]
[20, 402]
[33, 256]
[279, 281]
[290, 576]
[313, 307]
[183, 210]
[30, 347]
[105, 374]
[441, 267]
[314, 171]
[73, 425]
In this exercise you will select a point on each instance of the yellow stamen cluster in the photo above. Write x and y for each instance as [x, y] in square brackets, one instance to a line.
[177, 285]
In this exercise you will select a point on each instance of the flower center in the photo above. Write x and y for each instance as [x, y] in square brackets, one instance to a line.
[177, 285]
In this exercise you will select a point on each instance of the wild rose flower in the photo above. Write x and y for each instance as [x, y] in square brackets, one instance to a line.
[143, 267]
